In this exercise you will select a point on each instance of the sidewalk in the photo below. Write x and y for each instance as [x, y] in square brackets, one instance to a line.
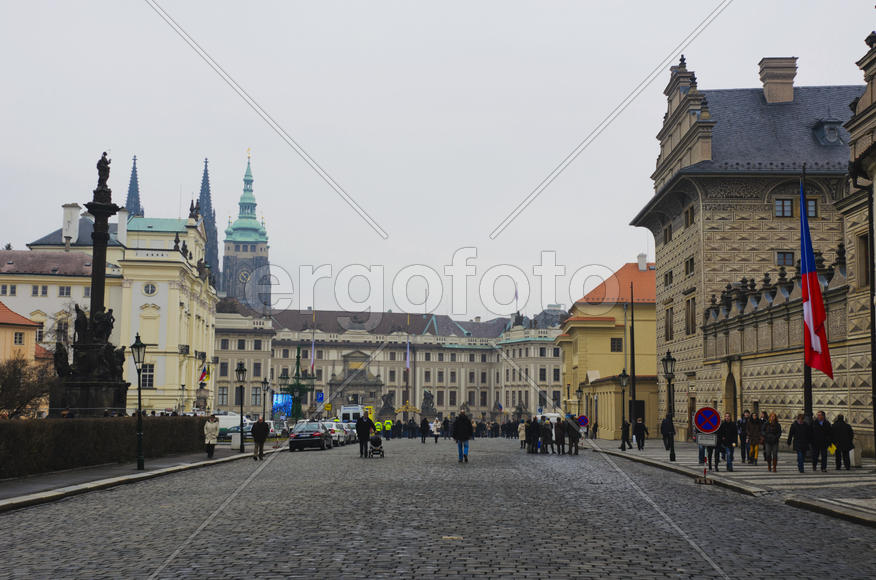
[846, 494]
[35, 489]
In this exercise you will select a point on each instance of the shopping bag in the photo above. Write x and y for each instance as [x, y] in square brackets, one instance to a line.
[831, 449]
[634, 438]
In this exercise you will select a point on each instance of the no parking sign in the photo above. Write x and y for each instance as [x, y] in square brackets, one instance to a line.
[583, 420]
[707, 420]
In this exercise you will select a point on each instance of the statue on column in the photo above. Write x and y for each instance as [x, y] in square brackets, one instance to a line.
[103, 171]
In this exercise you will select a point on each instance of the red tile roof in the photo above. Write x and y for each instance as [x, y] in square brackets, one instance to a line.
[43, 353]
[616, 288]
[10, 318]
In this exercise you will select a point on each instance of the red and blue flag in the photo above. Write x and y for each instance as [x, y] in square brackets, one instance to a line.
[816, 353]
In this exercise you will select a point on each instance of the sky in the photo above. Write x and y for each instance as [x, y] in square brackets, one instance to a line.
[437, 118]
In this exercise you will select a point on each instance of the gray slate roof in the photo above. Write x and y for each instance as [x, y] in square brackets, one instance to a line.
[86, 226]
[751, 135]
[45, 263]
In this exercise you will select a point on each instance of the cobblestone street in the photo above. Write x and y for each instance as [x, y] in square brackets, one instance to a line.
[419, 513]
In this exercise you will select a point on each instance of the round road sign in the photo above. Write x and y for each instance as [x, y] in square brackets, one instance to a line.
[583, 420]
[707, 420]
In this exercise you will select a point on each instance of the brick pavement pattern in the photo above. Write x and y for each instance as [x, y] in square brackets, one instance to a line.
[330, 514]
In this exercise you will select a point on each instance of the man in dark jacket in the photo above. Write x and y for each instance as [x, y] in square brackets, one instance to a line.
[843, 438]
[728, 439]
[821, 440]
[625, 436]
[445, 425]
[462, 432]
[667, 429]
[574, 435]
[742, 430]
[639, 433]
[800, 435]
[260, 431]
[560, 436]
[424, 429]
[364, 428]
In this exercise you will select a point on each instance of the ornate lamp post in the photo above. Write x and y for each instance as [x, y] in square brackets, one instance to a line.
[669, 372]
[579, 392]
[138, 352]
[624, 379]
[298, 388]
[240, 372]
[264, 394]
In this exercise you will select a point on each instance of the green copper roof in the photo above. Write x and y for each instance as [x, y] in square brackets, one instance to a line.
[141, 224]
[246, 228]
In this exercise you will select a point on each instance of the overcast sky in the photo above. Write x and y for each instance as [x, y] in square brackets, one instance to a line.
[438, 118]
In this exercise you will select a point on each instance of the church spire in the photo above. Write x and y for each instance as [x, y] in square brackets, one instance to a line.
[205, 200]
[133, 202]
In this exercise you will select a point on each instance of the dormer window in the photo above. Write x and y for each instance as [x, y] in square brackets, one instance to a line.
[827, 131]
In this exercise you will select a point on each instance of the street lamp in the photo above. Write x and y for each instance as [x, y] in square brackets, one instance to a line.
[624, 379]
[579, 392]
[138, 351]
[240, 372]
[669, 372]
[264, 394]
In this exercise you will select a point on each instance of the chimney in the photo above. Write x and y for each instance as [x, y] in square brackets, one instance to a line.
[70, 225]
[477, 318]
[643, 262]
[777, 75]
[122, 228]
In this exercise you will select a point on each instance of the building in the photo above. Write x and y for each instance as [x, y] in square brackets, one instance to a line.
[205, 204]
[246, 253]
[726, 210]
[595, 347]
[17, 335]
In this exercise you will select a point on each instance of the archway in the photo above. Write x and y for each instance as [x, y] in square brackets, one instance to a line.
[730, 399]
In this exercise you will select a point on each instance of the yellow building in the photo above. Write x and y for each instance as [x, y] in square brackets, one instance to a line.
[17, 335]
[595, 350]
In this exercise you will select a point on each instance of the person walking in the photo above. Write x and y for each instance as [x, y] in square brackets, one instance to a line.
[462, 432]
[260, 431]
[436, 429]
[521, 434]
[843, 438]
[799, 433]
[753, 434]
[728, 439]
[211, 435]
[625, 436]
[742, 431]
[667, 429]
[364, 428]
[772, 434]
[446, 426]
[821, 440]
[560, 436]
[424, 429]
[574, 436]
[387, 429]
[639, 433]
[533, 434]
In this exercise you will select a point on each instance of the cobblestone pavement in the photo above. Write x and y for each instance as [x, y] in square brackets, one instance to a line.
[419, 513]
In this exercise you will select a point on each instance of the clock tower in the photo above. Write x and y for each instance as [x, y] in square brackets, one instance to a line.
[245, 263]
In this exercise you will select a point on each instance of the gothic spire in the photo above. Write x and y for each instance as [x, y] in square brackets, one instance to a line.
[205, 200]
[133, 202]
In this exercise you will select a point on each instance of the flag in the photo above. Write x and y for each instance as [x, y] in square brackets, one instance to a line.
[815, 351]
[408, 355]
[205, 374]
[500, 406]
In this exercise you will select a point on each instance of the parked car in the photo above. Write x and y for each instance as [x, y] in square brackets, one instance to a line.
[337, 432]
[310, 434]
[247, 432]
[351, 432]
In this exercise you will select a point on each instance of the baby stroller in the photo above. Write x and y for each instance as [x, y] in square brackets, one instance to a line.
[376, 446]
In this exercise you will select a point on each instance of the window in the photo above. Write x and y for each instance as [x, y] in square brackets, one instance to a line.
[255, 397]
[86, 292]
[40, 333]
[483, 398]
[557, 352]
[149, 289]
[483, 358]
[784, 208]
[62, 330]
[440, 398]
[667, 279]
[256, 369]
[784, 258]
[471, 377]
[2, 289]
[812, 208]
[18, 338]
[453, 376]
[542, 351]
[427, 356]
[285, 353]
[542, 374]
[667, 234]
[542, 399]
[471, 398]
[556, 375]
[223, 369]
[257, 344]
[555, 397]
[483, 378]
[440, 357]
[239, 393]
[44, 290]
[34, 290]
[667, 324]
[223, 344]
[689, 216]
[319, 355]
[440, 376]
[319, 374]
[427, 376]
[223, 395]
[147, 376]
[392, 376]
[689, 266]
[452, 357]
[392, 355]
[13, 288]
[236, 247]
[617, 345]
[452, 397]
[507, 375]
[471, 357]
[241, 344]
[864, 260]
[690, 316]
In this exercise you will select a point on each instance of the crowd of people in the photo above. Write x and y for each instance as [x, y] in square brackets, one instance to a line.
[546, 437]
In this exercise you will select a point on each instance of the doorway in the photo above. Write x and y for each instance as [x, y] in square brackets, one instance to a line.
[730, 400]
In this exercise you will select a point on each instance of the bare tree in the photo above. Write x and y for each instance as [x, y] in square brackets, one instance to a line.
[23, 385]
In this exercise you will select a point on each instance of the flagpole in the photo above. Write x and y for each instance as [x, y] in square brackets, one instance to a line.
[634, 412]
[807, 370]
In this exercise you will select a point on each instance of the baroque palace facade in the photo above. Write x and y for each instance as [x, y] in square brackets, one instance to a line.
[725, 219]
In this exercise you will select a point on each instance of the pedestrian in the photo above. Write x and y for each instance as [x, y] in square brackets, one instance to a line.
[211, 435]
[753, 433]
[534, 435]
[639, 433]
[772, 434]
[574, 436]
[521, 434]
[436, 429]
[462, 432]
[625, 435]
[446, 426]
[424, 429]
[800, 434]
[595, 430]
[364, 428]
[843, 438]
[821, 440]
[560, 436]
[728, 439]
[667, 429]
[260, 431]
[742, 431]
[387, 428]
[548, 437]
